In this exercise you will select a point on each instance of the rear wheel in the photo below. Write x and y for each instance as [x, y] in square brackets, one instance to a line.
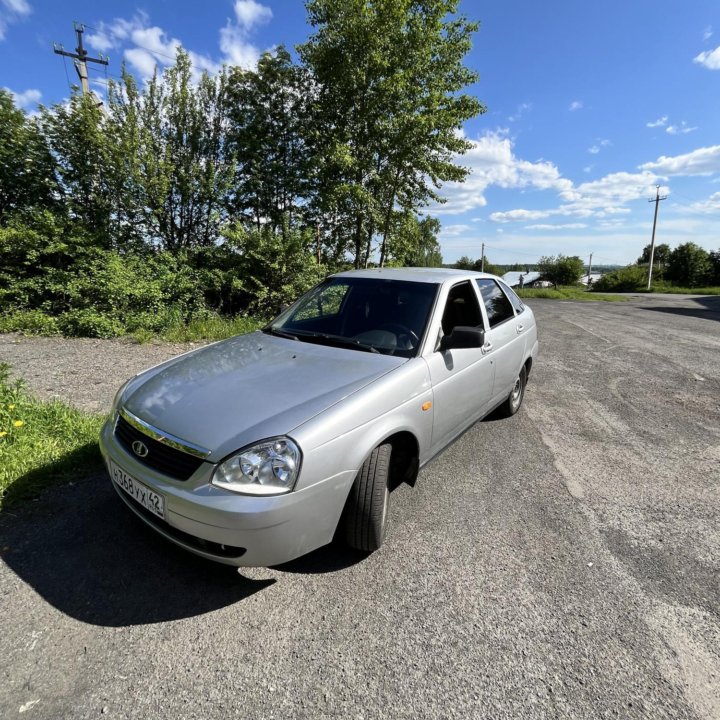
[514, 401]
[365, 520]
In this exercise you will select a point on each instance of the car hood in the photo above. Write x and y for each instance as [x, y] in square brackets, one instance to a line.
[248, 388]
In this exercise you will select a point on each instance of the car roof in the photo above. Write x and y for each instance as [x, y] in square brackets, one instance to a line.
[415, 274]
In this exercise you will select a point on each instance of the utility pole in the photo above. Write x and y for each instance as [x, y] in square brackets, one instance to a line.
[652, 242]
[482, 259]
[81, 58]
[589, 268]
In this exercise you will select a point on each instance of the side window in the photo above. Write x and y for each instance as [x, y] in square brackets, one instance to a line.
[461, 308]
[514, 299]
[499, 308]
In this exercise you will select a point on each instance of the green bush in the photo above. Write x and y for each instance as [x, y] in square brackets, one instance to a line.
[29, 322]
[628, 279]
[89, 323]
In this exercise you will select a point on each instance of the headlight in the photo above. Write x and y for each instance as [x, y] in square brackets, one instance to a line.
[268, 468]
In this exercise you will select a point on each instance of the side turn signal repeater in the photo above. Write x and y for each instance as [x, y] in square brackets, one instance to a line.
[426, 406]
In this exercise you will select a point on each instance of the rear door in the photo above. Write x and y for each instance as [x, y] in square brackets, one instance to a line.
[505, 336]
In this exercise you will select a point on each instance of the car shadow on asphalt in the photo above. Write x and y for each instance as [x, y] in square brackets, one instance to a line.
[709, 308]
[82, 551]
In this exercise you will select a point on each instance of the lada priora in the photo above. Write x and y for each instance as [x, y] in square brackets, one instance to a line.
[258, 449]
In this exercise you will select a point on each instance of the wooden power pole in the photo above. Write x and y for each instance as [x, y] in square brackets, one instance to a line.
[656, 200]
[81, 57]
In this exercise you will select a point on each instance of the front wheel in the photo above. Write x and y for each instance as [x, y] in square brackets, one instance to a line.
[365, 520]
[514, 400]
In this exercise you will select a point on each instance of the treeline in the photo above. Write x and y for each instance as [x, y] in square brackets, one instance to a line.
[234, 192]
[686, 266]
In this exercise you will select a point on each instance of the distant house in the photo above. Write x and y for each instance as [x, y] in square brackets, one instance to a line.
[529, 279]
[594, 277]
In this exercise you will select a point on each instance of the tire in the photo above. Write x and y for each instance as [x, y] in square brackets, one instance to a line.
[366, 510]
[515, 398]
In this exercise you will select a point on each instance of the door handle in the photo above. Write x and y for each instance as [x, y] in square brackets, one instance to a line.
[520, 328]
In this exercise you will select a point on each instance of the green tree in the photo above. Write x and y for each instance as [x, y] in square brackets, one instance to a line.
[561, 270]
[413, 242]
[270, 136]
[689, 265]
[390, 103]
[661, 257]
[26, 167]
[75, 134]
[274, 267]
[715, 265]
[184, 170]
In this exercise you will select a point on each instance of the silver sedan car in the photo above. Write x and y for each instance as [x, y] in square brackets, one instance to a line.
[258, 449]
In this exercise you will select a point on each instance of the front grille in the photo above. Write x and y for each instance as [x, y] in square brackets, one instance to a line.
[163, 458]
[208, 546]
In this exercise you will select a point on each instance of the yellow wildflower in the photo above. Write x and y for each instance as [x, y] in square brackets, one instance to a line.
[3, 433]
[18, 423]
[11, 407]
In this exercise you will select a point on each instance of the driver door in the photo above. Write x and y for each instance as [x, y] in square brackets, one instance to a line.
[462, 379]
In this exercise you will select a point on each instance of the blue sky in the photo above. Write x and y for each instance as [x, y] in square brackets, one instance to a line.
[590, 105]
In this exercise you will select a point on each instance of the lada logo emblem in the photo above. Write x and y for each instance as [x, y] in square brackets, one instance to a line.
[140, 449]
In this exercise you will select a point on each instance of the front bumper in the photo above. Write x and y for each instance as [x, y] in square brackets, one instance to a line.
[235, 529]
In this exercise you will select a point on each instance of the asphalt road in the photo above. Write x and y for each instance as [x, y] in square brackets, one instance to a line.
[560, 564]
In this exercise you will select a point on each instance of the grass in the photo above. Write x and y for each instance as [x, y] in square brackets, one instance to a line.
[172, 326]
[662, 287]
[215, 327]
[42, 444]
[567, 292]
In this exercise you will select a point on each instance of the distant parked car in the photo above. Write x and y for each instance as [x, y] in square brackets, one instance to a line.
[257, 449]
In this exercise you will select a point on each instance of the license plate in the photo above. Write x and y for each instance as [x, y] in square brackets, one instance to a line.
[141, 493]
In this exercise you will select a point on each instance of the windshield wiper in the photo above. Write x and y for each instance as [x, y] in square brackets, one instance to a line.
[280, 333]
[340, 340]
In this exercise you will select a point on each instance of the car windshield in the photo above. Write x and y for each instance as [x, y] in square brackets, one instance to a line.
[367, 314]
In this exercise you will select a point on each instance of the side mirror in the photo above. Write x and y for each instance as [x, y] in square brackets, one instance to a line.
[463, 337]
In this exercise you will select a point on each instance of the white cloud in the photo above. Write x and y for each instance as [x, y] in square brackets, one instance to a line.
[491, 161]
[709, 58]
[598, 198]
[151, 46]
[703, 161]
[249, 13]
[660, 122]
[588, 168]
[520, 215]
[11, 11]
[709, 206]
[236, 49]
[565, 226]
[575, 105]
[682, 129]
[601, 143]
[521, 110]
[454, 230]
[26, 98]
[234, 36]
[707, 33]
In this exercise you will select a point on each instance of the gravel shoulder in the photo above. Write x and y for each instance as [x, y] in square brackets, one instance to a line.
[83, 372]
[563, 563]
